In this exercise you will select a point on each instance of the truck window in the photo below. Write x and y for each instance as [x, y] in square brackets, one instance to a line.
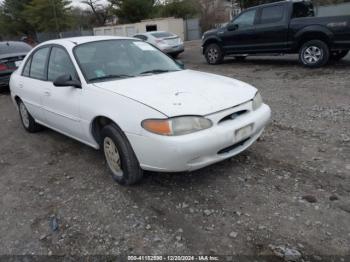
[272, 14]
[245, 19]
[303, 9]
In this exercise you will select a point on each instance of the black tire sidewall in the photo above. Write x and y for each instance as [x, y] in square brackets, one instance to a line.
[33, 126]
[218, 48]
[132, 173]
[325, 53]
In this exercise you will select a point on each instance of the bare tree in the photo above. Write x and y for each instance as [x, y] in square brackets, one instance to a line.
[100, 10]
[212, 13]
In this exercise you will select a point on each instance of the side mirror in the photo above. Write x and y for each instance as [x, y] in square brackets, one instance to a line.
[180, 63]
[67, 80]
[232, 27]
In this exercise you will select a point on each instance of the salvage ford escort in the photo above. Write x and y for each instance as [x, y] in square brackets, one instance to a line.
[138, 105]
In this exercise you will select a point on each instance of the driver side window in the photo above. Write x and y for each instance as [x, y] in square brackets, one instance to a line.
[245, 20]
[60, 64]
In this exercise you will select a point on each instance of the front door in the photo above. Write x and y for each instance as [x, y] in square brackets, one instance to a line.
[272, 28]
[239, 35]
[62, 104]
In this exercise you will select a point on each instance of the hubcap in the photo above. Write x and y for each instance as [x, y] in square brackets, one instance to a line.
[213, 55]
[24, 115]
[312, 54]
[112, 156]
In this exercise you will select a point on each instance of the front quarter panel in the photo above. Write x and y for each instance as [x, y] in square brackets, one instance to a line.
[125, 112]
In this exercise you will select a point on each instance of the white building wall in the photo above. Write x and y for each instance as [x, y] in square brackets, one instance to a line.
[174, 25]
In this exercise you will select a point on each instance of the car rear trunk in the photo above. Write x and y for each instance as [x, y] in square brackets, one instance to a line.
[172, 41]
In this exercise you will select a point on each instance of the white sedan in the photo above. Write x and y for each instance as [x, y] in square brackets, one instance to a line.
[135, 103]
[169, 43]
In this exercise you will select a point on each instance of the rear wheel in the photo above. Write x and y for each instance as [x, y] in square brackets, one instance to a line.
[338, 55]
[120, 157]
[314, 53]
[27, 120]
[214, 54]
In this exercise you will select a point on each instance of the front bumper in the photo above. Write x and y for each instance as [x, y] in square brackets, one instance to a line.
[200, 149]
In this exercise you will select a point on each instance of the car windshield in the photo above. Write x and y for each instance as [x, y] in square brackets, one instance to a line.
[14, 47]
[118, 59]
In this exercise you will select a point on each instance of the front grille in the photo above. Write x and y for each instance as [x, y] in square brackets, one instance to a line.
[234, 146]
[233, 116]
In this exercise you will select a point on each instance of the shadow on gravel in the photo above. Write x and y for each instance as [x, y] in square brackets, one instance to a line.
[282, 61]
[198, 178]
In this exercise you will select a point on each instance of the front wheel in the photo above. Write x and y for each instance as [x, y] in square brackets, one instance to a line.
[338, 55]
[314, 53]
[214, 54]
[120, 157]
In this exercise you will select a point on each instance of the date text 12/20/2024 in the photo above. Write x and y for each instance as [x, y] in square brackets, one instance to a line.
[173, 258]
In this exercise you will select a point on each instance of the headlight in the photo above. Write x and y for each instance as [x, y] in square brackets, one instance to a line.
[257, 101]
[176, 126]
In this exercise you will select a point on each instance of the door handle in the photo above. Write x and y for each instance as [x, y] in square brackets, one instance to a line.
[47, 93]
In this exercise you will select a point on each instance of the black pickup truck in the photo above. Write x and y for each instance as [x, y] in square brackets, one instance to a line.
[278, 28]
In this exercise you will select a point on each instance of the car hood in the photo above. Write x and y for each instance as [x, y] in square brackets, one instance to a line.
[185, 92]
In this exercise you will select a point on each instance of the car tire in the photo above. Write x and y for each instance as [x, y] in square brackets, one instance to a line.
[314, 53]
[213, 54]
[338, 55]
[120, 157]
[27, 120]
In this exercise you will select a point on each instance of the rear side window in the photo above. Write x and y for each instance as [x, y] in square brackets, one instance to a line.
[37, 68]
[272, 14]
[60, 64]
[27, 68]
[303, 9]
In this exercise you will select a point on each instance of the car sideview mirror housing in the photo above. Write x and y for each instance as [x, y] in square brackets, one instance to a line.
[232, 27]
[67, 80]
[180, 63]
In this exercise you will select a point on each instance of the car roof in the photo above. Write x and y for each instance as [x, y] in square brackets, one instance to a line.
[83, 39]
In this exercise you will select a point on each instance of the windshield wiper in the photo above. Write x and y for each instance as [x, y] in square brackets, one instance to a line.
[110, 77]
[157, 71]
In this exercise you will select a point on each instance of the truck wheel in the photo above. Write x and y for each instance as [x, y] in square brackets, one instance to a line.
[27, 120]
[314, 53]
[338, 55]
[214, 54]
[120, 156]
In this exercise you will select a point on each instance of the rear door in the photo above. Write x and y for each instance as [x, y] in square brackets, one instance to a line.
[272, 28]
[239, 35]
[33, 81]
[62, 104]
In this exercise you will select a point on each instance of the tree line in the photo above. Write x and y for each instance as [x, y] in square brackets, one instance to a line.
[26, 17]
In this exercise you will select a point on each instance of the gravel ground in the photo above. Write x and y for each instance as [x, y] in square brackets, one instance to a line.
[288, 195]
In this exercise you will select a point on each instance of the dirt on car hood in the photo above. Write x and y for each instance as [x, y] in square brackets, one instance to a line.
[185, 92]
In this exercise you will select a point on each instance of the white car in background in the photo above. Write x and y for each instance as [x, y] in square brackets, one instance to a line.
[139, 106]
[169, 43]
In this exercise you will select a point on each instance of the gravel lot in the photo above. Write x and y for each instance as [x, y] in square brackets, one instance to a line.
[288, 194]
